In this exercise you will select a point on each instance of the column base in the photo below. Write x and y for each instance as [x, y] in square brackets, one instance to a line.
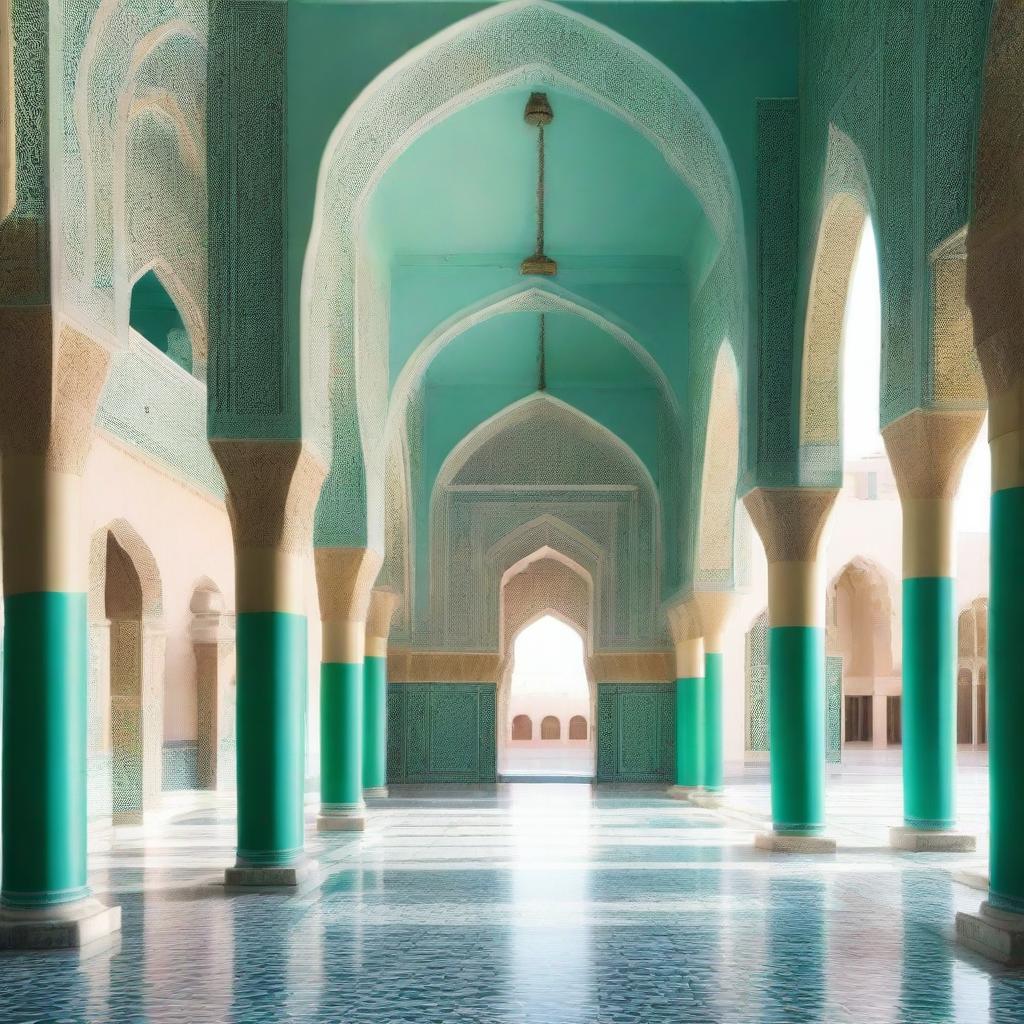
[783, 842]
[996, 934]
[62, 926]
[376, 792]
[683, 792]
[267, 876]
[332, 820]
[919, 840]
[708, 800]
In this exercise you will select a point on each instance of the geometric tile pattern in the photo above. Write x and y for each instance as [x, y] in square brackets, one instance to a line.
[532, 904]
[636, 733]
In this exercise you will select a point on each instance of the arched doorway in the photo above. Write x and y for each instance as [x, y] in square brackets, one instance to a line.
[548, 685]
[860, 629]
[125, 599]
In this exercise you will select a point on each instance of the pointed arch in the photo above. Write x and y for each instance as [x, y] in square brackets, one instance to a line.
[846, 205]
[715, 561]
[516, 43]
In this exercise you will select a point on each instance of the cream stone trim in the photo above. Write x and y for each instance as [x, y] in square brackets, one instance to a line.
[714, 608]
[344, 641]
[383, 605]
[43, 548]
[344, 581]
[376, 646]
[1006, 437]
[268, 580]
[8, 161]
[690, 659]
[796, 593]
[928, 548]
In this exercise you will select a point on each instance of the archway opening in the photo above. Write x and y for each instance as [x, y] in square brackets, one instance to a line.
[549, 709]
[154, 315]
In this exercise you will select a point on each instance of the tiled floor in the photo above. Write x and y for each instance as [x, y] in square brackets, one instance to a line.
[535, 903]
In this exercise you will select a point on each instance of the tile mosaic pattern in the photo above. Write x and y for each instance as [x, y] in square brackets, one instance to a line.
[550, 904]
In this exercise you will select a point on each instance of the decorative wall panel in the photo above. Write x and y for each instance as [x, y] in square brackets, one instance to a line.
[441, 732]
[636, 733]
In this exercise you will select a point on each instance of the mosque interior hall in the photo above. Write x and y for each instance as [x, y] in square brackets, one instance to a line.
[511, 511]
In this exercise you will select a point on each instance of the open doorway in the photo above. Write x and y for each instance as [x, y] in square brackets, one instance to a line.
[549, 729]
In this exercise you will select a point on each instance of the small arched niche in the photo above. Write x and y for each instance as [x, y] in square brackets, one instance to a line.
[126, 609]
[550, 728]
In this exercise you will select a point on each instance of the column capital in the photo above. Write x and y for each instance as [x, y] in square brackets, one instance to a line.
[684, 624]
[383, 605]
[790, 520]
[272, 492]
[927, 450]
[714, 608]
[1006, 436]
[344, 581]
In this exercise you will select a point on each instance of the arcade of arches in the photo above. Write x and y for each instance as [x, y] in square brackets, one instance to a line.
[403, 402]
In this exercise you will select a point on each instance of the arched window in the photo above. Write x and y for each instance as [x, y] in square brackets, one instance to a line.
[577, 728]
[550, 729]
[522, 728]
[155, 316]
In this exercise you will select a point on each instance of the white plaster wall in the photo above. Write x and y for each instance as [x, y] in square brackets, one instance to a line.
[190, 537]
[870, 528]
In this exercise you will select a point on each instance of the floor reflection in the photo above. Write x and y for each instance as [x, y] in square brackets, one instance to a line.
[532, 904]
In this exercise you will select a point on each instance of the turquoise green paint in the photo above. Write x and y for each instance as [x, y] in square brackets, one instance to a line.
[270, 712]
[929, 703]
[1006, 702]
[442, 732]
[796, 700]
[713, 683]
[375, 722]
[690, 732]
[155, 316]
[44, 749]
[636, 732]
[341, 735]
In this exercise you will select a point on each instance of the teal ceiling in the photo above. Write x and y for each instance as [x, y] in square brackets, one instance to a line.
[504, 350]
[468, 187]
[155, 316]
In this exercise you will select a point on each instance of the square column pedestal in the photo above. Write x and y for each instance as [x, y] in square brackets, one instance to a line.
[683, 792]
[68, 926]
[994, 933]
[918, 840]
[782, 842]
[341, 820]
[268, 876]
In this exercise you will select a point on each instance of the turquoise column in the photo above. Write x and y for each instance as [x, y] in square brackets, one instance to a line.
[1006, 700]
[713, 723]
[684, 622]
[796, 702]
[272, 488]
[791, 522]
[344, 580]
[929, 703]
[383, 604]
[44, 752]
[375, 732]
[270, 707]
[341, 746]
[927, 449]
[714, 607]
[44, 894]
[690, 733]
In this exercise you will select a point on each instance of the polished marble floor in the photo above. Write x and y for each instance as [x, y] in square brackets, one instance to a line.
[540, 904]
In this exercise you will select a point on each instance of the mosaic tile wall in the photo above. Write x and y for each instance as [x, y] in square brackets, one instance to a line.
[442, 732]
[636, 735]
[181, 765]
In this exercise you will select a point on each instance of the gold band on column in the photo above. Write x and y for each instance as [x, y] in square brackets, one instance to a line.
[383, 604]
[344, 578]
[685, 627]
[714, 608]
[43, 547]
[1006, 437]
[791, 522]
[343, 641]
